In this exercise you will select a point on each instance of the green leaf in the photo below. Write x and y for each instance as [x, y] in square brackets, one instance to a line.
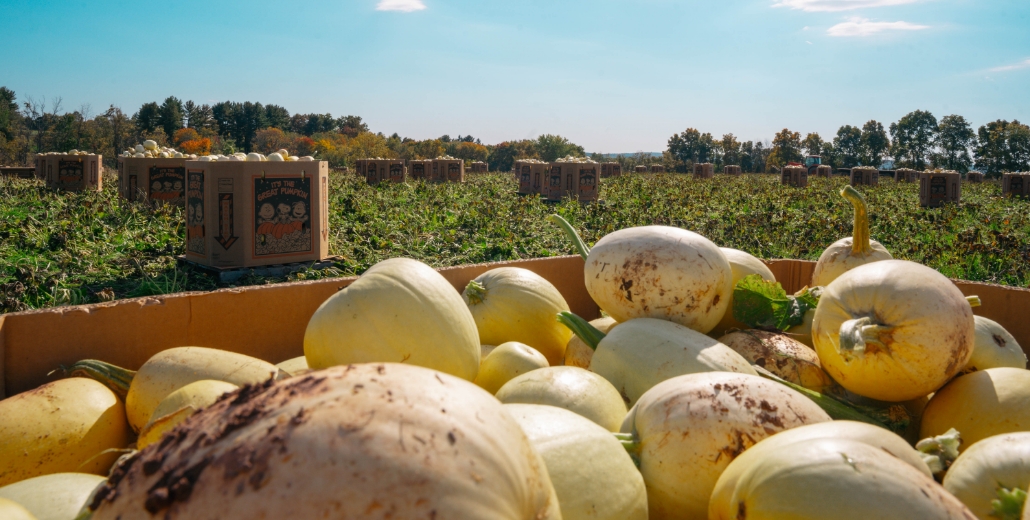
[761, 304]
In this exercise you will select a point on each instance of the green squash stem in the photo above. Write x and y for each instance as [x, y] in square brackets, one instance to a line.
[632, 445]
[835, 408]
[475, 292]
[114, 377]
[1009, 504]
[974, 301]
[581, 246]
[860, 234]
[581, 328]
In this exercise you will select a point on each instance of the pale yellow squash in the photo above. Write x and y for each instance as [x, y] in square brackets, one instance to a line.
[660, 272]
[979, 405]
[60, 427]
[688, 429]
[515, 304]
[572, 388]
[893, 330]
[999, 464]
[179, 405]
[994, 347]
[367, 440]
[58, 496]
[851, 252]
[781, 355]
[399, 311]
[297, 366]
[506, 362]
[11, 510]
[741, 264]
[721, 505]
[593, 476]
[577, 352]
[841, 479]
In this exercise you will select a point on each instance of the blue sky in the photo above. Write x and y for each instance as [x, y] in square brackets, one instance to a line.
[614, 76]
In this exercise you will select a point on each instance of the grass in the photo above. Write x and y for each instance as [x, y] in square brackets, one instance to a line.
[70, 248]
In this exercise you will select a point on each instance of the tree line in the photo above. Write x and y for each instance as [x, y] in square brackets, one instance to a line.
[918, 140]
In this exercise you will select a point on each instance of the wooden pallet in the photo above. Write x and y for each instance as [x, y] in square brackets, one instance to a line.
[233, 274]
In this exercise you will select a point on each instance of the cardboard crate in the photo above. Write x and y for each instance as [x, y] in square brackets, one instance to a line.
[393, 171]
[158, 180]
[939, 187]
[418, 170]
[1015, 184]
[610, 169]
[572, 179]
[796, 176]
[974, 177]
[39, 162]
[74, 172]
[906, 175]
[245, 214]
[268, 321]
[824, 170]
[865, 176]
[531, 175]
[479, 167]
[451, 170]
[731, 169]
[640, 169]
[657, 168]
[704, 171]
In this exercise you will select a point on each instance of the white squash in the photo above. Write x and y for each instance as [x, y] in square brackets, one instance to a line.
[840, 479]
[346, 442]
[515, 304]
[572, 388]
[721, 505]
[994, 347]
[593, 476]
[851, 252]
[577, 352]
[979, 405]
[640, 353]
[741, 264]
[893, 330]
[781, 355]
[11, 510]
[660, 272]
[993, 467]
[688, 429]
[295, 366]
[402, 311]
[179, 405]
[506, 362]
[58, 496]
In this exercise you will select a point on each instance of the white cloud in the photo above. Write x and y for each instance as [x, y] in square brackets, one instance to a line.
[814, 6]
[861, 27]
[404, 6]
[1015, 66]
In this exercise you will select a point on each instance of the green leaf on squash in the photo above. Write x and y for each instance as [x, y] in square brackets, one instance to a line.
[761, 304]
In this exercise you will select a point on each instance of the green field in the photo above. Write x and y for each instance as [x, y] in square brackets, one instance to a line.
[65, 248]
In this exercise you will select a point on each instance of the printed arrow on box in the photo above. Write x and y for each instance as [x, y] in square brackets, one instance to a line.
[225, 221]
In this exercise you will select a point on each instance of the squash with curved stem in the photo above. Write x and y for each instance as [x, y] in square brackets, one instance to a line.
[979, 405]
[73, 424]
[686, 431]
[515, 304]
[722, 507]
[990, 476]
[841, 479]
[893, 330]
[851, 252]
[994, 347]
[399, 311]
[357, 441]
[58, 496]
[506, 362]
[571, 388]
[593, 476]
[741, 264]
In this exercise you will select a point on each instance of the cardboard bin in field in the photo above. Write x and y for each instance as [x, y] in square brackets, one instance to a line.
[824, 170]
[419, 169]
[704, 171]
[39, 161]
[657, 168]
[69, 172]
[531, 175]
[479, 167]
[1015, 184]
[796, 176]
[448, 169]
[640, 169]
[158, 180]
[610, 169]
[575, 179]
[939, 187]
[974, 177]
[865, 176]
[731, 169]
[250, 213]
[906, 175]
[268, 321]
